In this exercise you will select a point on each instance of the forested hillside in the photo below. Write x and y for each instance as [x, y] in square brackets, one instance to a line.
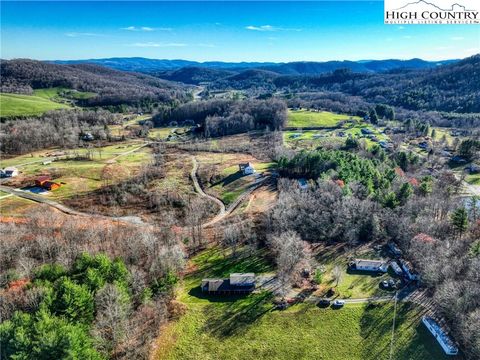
[110, 86]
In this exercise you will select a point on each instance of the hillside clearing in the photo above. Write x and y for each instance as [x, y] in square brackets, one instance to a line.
[25, 105]
[326, 119]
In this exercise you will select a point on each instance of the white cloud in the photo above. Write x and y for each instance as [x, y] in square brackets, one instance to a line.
[144, 28]
[269, 28]
[152, 44]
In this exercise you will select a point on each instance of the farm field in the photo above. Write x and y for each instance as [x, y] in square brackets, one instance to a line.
[25, 105]
[249, 328]
[79, 176]
[60, 94]
[306, 118]
[310, 139]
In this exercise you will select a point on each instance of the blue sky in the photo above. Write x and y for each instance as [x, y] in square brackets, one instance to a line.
[224, 31]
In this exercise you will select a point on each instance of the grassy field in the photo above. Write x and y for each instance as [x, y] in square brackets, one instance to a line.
[249, 328]
[473, 179]
[60, 94]
[305, 118]
[233, 183]
[24, 105]
[352, 284]
[311, 139]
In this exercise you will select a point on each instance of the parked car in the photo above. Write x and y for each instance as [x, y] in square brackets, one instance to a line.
[338, 303]
[389, 284]
[324, 303]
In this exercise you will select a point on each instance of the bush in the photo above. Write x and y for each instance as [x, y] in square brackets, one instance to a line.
[49, 272]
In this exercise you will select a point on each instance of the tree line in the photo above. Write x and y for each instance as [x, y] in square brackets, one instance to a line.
[224, 117]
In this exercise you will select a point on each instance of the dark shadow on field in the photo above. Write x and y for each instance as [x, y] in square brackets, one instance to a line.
[229, 179]
[216, 265]
[376, 328]
[233, 318]
[197, 292]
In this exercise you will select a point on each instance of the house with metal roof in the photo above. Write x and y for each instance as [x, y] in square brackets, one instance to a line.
[369, 265]
[440, 334]
[236, 284]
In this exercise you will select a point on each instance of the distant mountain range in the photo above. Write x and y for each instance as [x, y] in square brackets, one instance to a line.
[292, 68]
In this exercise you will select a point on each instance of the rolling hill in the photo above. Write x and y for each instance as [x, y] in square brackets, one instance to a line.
[291, 68]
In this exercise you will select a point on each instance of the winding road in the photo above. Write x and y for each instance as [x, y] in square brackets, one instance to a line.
[223, 211]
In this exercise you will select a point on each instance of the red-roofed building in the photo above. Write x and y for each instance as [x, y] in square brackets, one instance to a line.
[42, 180]
[421, 237]
[399, 172]
[413, 182]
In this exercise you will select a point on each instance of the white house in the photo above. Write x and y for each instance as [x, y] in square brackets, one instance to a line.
[443, 339]
[247, 168]
[370, 265]
[410, 272]
[10, 171]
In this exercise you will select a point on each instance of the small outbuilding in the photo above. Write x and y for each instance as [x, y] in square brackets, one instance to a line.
[247, 168]
[41, 180]
[50, 185]
[394, 249]
[10, 171]
[409, 271]
[396, 268]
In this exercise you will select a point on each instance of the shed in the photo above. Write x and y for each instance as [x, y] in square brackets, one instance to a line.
[50, 185]
[410, 272]
[246, 168]
[396, 268]
[10, 171]
[41, 180]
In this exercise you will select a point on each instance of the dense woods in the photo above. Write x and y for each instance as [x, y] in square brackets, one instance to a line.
[95, 292]
[61, 128]
[224, 117]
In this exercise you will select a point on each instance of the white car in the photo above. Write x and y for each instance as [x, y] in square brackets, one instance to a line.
[339, 303]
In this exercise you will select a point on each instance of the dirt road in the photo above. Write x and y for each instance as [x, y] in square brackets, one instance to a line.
[223, 211]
